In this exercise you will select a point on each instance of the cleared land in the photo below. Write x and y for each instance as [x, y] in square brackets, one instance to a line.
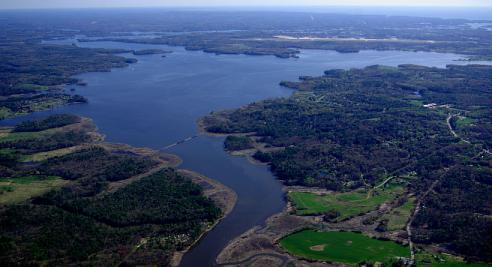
[443, 260]
[398, 217]
[19, 189]
[343, 247]
[346, 204]
[11, 136]
[37, 157]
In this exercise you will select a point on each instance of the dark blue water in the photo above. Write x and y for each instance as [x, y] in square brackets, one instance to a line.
[157, 102]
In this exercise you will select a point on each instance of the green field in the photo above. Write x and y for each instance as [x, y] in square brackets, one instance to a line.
[398, 217]
[464, 122]
[343, 247]
[424, 258]
[8, 137]
[15, 190]
[5, 112]
[418, 103]
[6, 152]
[347, 204]
[30, 86]
[49, 154]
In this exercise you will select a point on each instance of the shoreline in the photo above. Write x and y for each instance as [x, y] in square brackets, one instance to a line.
[259, 233]
[260, 245]
[224, 197]
[247, 153]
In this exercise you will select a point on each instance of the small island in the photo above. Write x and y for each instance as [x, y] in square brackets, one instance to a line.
[150, 52]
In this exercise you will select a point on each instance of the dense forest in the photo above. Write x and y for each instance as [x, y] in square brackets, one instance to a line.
[79, 206]
[96, 162]
[351, 129]
[54, 121]
[31, 74]
[105, 231]
[234, 143]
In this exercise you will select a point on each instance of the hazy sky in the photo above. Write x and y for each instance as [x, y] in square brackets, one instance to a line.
[147, 3]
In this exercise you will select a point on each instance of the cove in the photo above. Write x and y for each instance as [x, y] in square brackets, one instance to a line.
[157, 101]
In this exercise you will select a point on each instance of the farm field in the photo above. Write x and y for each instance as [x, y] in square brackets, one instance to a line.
[37, 157]
[8, 136]
[15, 190]
[342, 247]
[398, 217]
[347, 204]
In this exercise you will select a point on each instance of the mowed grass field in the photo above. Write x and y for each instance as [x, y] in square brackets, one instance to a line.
[15, 190]
[342, 247]
[347, 204]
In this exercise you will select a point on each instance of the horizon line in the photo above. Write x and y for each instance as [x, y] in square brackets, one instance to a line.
[246, 6]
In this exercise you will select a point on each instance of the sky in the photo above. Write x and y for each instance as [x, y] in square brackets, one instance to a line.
[9, 4]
